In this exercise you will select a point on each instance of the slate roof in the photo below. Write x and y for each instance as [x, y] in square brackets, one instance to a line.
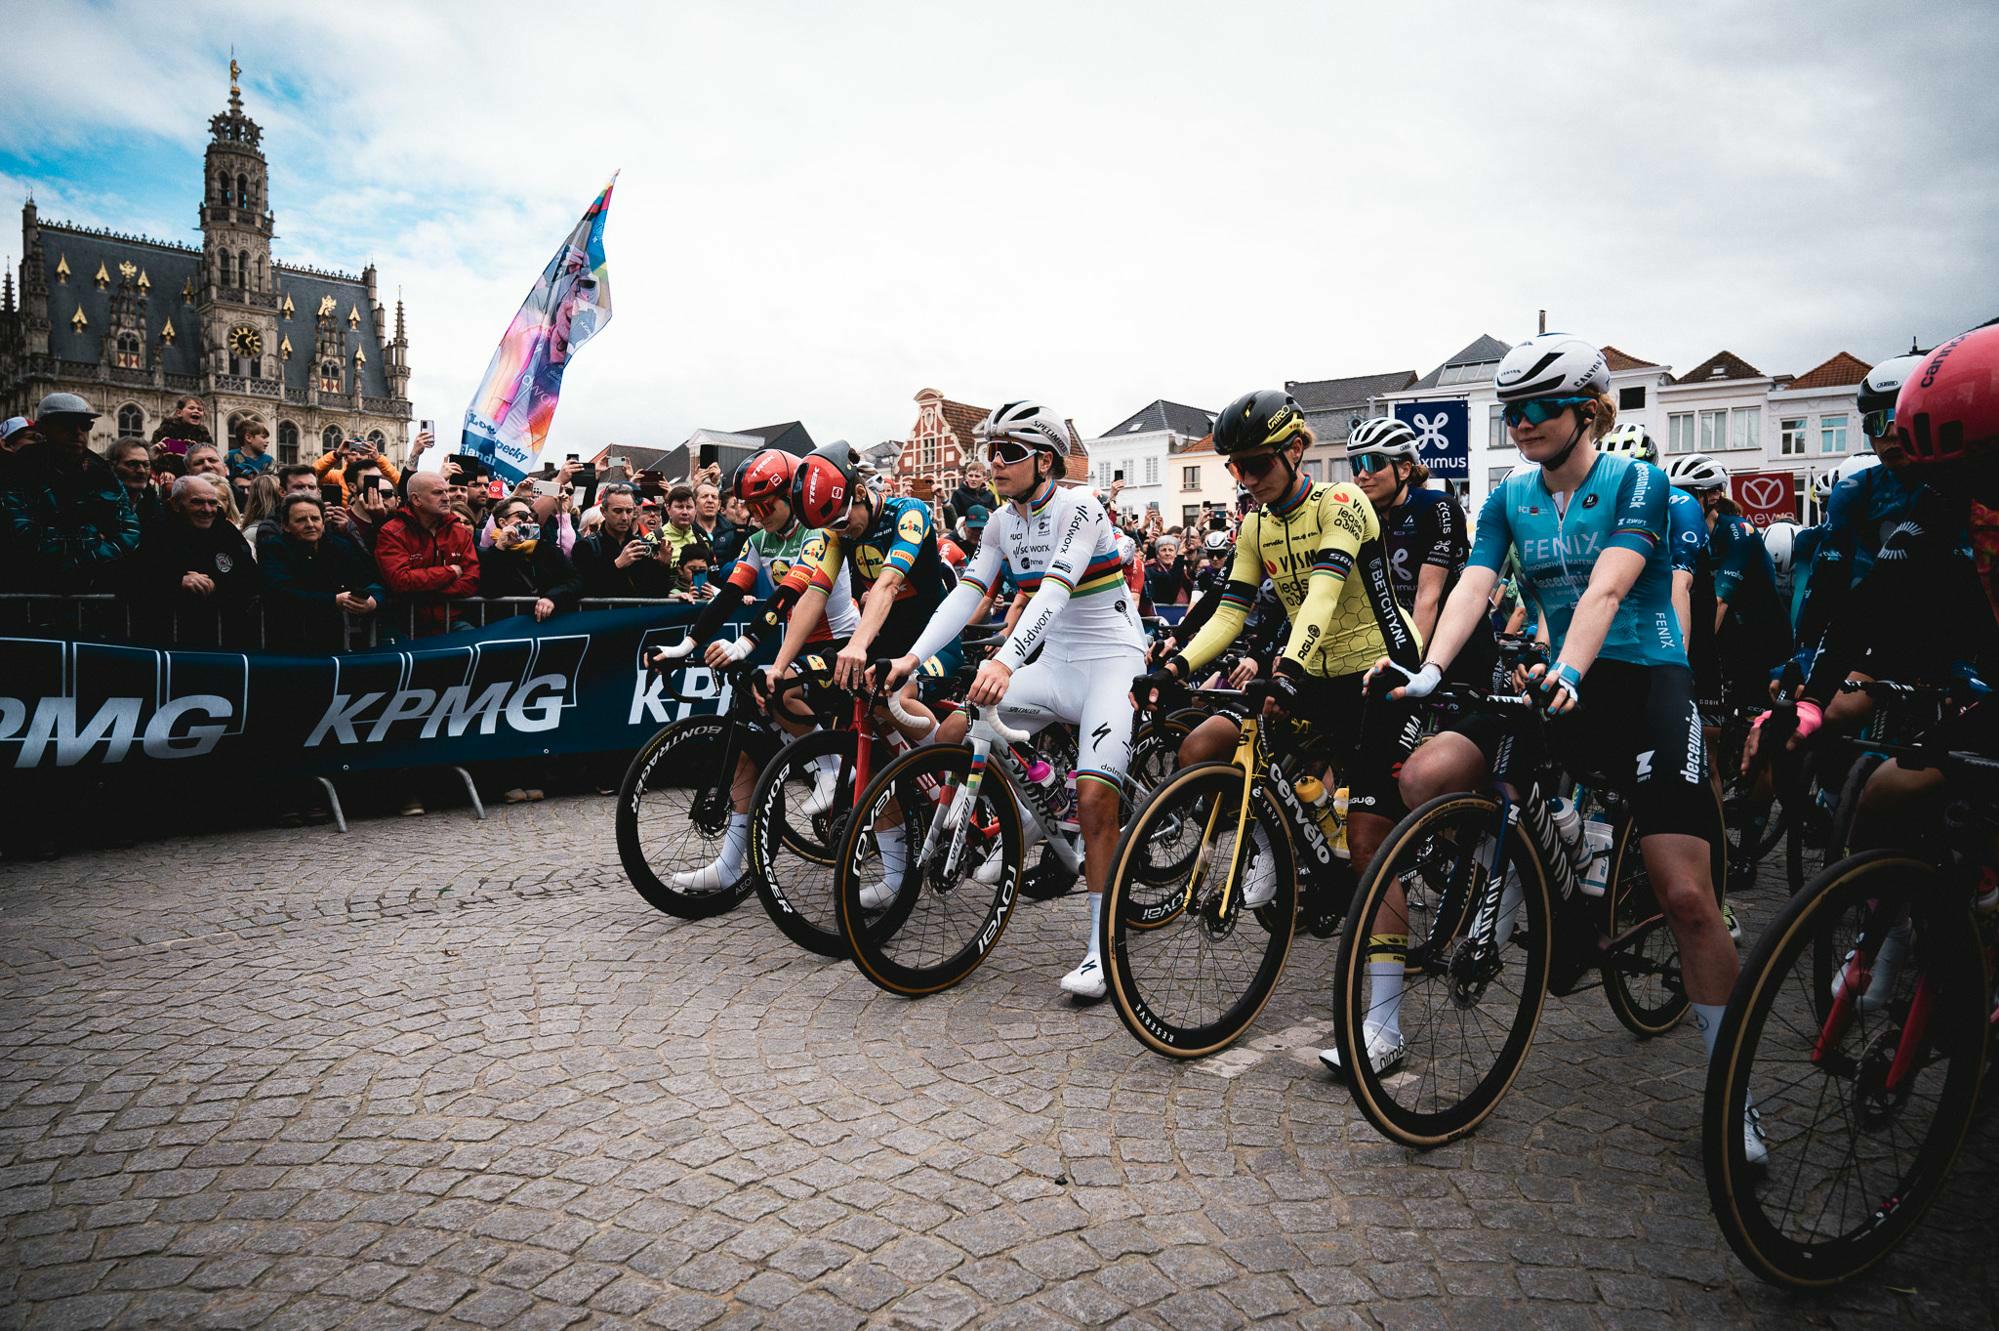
[169, 267]
[791, 436]
[1731, 366]
[1484, 349]
[1842, 370]
[1163, 415]
[1352, 391]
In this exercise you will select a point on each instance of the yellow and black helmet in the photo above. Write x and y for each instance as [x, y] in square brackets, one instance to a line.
[1267, 418]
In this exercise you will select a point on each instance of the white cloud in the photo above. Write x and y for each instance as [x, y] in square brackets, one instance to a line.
[826, 208]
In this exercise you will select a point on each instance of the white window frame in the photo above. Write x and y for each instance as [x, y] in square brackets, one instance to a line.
[1791, 432]
[1712, 430]
[1831, 428]
[1190, 479]
[1680, 432]
[1152, 471]
[1745, 429]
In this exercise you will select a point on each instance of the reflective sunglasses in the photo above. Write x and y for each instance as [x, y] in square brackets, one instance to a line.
[1878, 424]
[1366, 464]
[1540, 410]
[1006, 452]
[762, 508]
[1253, 466]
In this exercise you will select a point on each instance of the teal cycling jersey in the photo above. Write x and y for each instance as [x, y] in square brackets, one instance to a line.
[1621, 505]
[1689, 530]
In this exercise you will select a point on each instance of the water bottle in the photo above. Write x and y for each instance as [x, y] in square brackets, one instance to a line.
[1065, 803]
[1597, 838]
[1337, 831]
[1569, 825]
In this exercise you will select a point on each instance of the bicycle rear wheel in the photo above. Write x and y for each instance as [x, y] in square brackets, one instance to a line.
[930, 926]
[1467, 1012]
[673, 813]
[794, 849]
[1863, 1098]
[1186, 974]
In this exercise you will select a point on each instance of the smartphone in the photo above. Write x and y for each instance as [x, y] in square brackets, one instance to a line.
[496, 488]
[332, 496]
[428, 427]
[1118, 475]
[701, 580]
[549, 488]
[574, 458]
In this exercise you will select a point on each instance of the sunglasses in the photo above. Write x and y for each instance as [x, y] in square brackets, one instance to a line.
[1366, 464]
[1007, 452]
[1540, 410]
[1878, 424]
[762, 508]
[1253, 467]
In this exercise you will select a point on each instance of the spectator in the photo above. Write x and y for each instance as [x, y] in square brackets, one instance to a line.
[975, 526]
[184, 427]
[266, 501]
[132, 462]
[294, 478]
[425, 553]
[697, 558]
[253, 459]
[332, 467]
[206, 460]
[680, 529]
[737, 514]
[1165, 576]
[371, 497]
[615, 560]
[197, 575]
[66, 519]
[976, 491]
[525, 560]
[707, 510]
[311, 578]
[16, 432]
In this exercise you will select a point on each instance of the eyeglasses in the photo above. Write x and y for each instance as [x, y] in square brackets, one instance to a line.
[1006, 452]
[1253, 466]
[1540, 410]
[1878, 424]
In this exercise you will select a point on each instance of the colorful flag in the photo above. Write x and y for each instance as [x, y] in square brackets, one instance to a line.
[510, 414]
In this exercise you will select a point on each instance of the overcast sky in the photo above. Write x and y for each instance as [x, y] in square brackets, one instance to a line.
[825, 208]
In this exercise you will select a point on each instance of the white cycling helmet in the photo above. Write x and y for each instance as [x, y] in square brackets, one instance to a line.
[1027, 423]
[1696, 471]
[1551, 365]
[1851, 468]
[1780, 539]
[1216, 542]
[1629, 440]
[1385, 435]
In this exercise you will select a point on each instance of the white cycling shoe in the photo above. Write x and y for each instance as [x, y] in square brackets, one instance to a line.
[1881, 979]
[1259, 878]
[825, 786]
[1755, 1146]
[1086, 981]
[708, 878]
[879, 893]
[1383, 1053]
[988, 874]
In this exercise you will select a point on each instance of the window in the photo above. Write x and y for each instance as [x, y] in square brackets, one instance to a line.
[1152, 471]
[1189, 514]
[329, 439]
[243, 270]
[1714, 430]
[1190, 478]
[1791, 437]
[1496, 429]
[287, 442]
[1745, 428]
[1680, 432]
[131, 422]
[222, 269]
[1832, 434]
[380, 442]
[926, 452]
[128, 352]
[1632, 398]
[242, 191]
[329, 376]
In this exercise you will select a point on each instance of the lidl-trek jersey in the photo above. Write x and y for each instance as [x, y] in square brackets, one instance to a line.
[1312, 545]
[902, 537]
[779, 555]
[1620, 505]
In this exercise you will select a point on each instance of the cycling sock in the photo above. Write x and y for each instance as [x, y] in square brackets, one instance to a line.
[1387, 958]
[1510, 901]
[893, 844]
[735, 842]
[827, 765]
[1707, 1020]
[1096, 921]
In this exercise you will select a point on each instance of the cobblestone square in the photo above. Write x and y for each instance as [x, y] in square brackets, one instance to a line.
[449, 1073]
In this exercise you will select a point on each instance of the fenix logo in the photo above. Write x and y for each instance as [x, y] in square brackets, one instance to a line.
[67, 703]
[524, 683]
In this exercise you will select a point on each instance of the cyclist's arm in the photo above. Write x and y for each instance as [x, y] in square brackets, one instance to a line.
[1231, 607]
[742, 580]
[809, 584]
[875, 608]
[1443, 555]
[1430, 580]
[1013, 612]
[1683, 602]
[912, 528]
[1831, 572]
[962, 605]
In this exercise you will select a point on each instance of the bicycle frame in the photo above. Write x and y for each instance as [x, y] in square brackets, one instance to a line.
[987, 734]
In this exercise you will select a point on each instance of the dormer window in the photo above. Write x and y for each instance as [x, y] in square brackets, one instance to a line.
[329, 376]
[128, 355]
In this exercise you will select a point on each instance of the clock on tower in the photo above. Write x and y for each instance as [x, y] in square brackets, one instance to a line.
[246, 342]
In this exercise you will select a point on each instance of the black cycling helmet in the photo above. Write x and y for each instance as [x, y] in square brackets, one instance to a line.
[1267, 418]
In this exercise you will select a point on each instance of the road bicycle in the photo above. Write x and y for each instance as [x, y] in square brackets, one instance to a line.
[1188, 963]
[961, 807]
[1857, 1037]
[675, 800]
[1498, 917]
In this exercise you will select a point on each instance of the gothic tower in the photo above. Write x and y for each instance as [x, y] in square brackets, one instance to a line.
[239, 288]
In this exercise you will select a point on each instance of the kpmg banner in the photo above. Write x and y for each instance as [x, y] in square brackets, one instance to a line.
[573, 684]
[1443, 431]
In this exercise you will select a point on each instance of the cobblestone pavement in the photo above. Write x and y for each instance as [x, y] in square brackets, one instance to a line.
[436, 1074]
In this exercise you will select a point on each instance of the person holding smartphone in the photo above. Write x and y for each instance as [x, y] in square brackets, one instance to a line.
[525, 560]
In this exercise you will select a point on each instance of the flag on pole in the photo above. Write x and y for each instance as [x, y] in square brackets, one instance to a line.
[510, 414]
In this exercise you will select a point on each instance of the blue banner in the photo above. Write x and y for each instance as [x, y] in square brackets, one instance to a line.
[515, 689]
[1443, 430]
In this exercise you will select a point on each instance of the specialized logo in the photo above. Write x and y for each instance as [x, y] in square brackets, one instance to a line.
[70, 703]
[522, 683]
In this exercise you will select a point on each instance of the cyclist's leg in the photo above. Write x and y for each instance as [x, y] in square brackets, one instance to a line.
[759, 744]
[1214, 739]
[1893, 798]
[1051, 687]
[1447, 762]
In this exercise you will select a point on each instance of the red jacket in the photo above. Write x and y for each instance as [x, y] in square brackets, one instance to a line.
[416, 565]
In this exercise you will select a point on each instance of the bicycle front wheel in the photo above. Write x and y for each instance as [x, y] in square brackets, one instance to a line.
[1467, 997]
[1862, 1086]
[1641, 975]
[796, 818]
[1188, 964]
[673, 815]
[925, 924]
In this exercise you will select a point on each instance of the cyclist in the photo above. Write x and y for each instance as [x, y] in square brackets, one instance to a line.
[1593, 536]
[780, 543]
[1424, 528]
[1689, 524]
[1323, 548]
[1749, 626]
[1059, 545]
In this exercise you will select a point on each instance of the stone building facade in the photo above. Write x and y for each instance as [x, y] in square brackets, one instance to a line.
[135, 324]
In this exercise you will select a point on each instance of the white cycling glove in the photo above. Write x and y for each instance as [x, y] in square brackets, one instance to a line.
[738, 649]
[674, 652]
[1419, 684]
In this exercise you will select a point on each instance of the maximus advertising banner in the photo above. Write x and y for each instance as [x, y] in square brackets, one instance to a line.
[516, 689]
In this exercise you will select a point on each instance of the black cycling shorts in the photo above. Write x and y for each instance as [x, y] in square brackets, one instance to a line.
[1638, 726]
[1369, 744]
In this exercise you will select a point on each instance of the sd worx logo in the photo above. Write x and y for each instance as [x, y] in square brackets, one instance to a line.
[66, 703]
